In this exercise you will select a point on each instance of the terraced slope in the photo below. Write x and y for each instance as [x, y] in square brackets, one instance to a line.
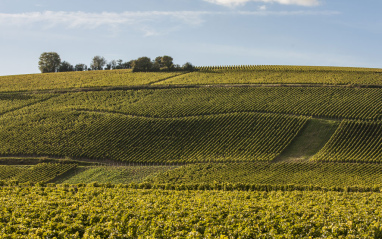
[317, 174]
[15, 101]
[280, 75]
[354, 141]
[187, 125]
[114, 174]
[333, 103]
[40, 173]
[226, 137]
[8, 172]
[86, 79]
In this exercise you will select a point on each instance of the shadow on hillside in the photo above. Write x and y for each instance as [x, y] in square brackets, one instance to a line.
[16, 96]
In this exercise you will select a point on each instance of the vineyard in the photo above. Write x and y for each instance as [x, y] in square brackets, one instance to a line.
[81, 212]
[40, 173]
[115, 174]
[335, 103]
[191, 125]
[354, 141]
[67, 80]
[204, 75]
[215, 138]
[8, 172]
[280, 75]
[316, 174]
[222, 152]
[12, 102]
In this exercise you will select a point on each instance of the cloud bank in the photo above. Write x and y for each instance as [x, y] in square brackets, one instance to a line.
[147, 22]
[232, 3]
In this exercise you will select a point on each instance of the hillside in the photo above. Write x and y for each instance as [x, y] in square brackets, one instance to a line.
[223, 152]
[273, 114]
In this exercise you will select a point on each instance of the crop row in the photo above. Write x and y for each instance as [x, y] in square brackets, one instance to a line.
[280, 75]
[78, 79]
[365, 104]
[312, 173]
[8, 172]
[35, 212]
[227, 137]
[353, 141]
[120, 174]
[14, 101]
[40, 173]
[287, 68]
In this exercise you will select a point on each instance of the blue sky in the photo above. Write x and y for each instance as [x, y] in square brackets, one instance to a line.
[203, 32]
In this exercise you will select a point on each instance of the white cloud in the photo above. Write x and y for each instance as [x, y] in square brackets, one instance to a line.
[263, 8]
[232, 3]
[94, 20]
[150, 22]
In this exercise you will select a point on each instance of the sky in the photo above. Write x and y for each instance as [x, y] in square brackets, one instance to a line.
[203, 32]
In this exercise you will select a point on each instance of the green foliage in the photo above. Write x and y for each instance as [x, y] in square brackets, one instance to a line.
[79, 79]
[49, 62]
[8, 172]
[103, 212]
[13, 101]
[280, 75]
[335, 103]
[22, 160]
[354, 141]
[42, 173]
[65, 67]
[118, 174]
[317, 174]
[227, 137]
[167, 61]
[142, 64]
[98, 62]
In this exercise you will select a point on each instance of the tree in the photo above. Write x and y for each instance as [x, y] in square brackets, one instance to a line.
[167, 61]
[49, 62]
[119, 64]
[142, 64]
[188, 67]
[158, 60]
[65, 66]
[127, 65]
[80, 67]
[113, 64]
[98, 63]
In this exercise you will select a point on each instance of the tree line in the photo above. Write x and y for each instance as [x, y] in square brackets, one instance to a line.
[51, 62]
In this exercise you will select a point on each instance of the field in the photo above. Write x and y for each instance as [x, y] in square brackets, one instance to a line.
[280, 75]
[221, 152]
[115, 174]
[81, 212]
[70, 80]
[317, 174]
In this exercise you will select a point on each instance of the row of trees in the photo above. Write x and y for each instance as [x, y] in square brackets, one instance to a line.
[51, 62]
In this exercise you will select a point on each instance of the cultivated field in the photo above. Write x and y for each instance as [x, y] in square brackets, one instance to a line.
[222, 152]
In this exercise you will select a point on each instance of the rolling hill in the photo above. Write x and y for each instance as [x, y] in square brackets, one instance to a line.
[241, 114]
